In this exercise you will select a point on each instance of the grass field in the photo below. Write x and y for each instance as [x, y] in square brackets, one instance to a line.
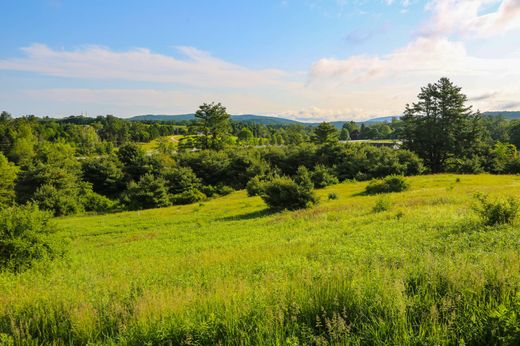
[226, 271]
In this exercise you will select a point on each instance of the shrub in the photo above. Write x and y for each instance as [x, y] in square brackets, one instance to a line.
[24, 234]
[149, 192]
[382, 204]
[497, 212]
[255, 186]
[285, 193]
[392, 183]
[98, 203]
[322, 177]
[189, 196]
[59, 201]
[180, 179]
[332, 196]
[223, 190]
[464, 165]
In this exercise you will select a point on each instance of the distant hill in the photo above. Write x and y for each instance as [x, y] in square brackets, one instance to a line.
[504, 114]
[271, 120]
[257, 119]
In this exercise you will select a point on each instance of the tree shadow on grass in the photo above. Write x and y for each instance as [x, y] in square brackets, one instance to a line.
[248, 216]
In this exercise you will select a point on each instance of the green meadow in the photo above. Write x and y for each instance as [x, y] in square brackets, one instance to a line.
[421, 271]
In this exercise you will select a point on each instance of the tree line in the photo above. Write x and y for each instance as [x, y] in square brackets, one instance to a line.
[80, 164]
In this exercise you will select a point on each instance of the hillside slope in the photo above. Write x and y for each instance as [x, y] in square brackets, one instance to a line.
[228, 271]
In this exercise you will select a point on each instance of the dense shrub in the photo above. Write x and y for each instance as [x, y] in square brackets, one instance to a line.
[149, 192]
[322, 177]
[105, 174]
[392, 183]
[497, 212]
[59, 201]
[180, 179]
[187, 197]
[98, 203]
[284, 193]
[255, 186]
[465, 165]
[24, 232]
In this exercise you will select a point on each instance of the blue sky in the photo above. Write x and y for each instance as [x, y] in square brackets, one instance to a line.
[307, 59]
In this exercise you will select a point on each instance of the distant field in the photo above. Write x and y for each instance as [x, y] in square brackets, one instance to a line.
[226, 271]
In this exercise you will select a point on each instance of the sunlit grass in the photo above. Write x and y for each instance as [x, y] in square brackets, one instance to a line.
[228, 271]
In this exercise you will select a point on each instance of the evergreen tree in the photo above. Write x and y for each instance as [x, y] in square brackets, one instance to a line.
[440, 126]
[212, 121]
[325, 133]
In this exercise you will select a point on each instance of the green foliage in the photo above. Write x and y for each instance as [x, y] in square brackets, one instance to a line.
[149, 192]
[498, 212]
[382, 204]
[212, 122]
[59, 201]
[323, 177]
[255, 186]
[245, 135]
[464, 165]
[180, 179]
[325, 133]
[24, 232]
[284, 193]
[440, 126]
[392, 183]
[105, 174]
[8, 173]
[332, 196]
[189, 196]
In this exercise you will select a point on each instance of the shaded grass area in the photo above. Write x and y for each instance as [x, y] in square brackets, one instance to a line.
[227, 271]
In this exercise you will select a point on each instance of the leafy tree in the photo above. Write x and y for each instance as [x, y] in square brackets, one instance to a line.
[344, 134]
[325, 133]
[245, 135]
[8, 173]
[440, 125]
[514, 133]
[353, 129]
[212, 121]
[24, 232]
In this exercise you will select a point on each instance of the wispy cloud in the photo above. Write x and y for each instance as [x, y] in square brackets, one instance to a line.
[193, 68]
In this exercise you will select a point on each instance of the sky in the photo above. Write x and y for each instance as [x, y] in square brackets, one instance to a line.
[309, 60]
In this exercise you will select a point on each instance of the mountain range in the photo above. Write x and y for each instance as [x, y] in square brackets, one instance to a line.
[271, 120]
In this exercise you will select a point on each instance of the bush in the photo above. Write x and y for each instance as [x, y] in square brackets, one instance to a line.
[24, 234]
[59, 201]
[255, 186]
[187, 197]
[149, 192]
[285, 193]
[382, 204]
[223, 190]
[464, 165]
[322, 177]
[497, 212]
[332, 196]
[98, 203]
[392, 183]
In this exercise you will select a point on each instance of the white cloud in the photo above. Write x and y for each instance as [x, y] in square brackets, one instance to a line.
[197, 68]
[464, 17]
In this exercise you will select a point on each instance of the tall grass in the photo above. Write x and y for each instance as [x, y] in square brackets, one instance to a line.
[228, 272]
